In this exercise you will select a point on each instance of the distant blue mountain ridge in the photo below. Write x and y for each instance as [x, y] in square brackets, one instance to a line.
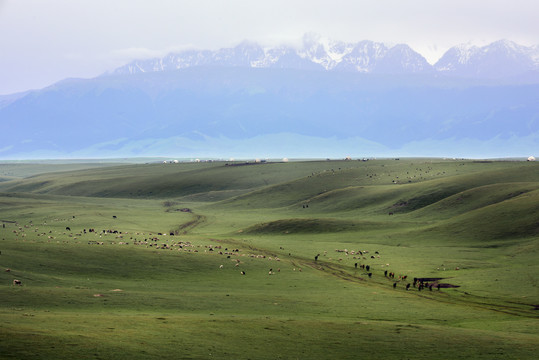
[321, 101]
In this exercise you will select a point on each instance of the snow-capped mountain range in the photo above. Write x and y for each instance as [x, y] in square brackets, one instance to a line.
[500, 59]
[325, 99]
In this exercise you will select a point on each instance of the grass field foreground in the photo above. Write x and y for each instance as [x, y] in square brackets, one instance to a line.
[269, 261]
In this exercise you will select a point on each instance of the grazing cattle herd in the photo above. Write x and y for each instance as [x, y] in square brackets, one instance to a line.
[167, 241]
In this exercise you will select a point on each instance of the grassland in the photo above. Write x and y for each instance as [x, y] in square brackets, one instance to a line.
[160, 277]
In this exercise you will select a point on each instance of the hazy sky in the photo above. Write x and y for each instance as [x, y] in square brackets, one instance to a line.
[43, 42]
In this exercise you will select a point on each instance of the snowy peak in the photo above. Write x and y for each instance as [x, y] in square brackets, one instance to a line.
[363, 57]
[323, 51]
[242, 55]
[460, 54]
[500, 59]
[402, 59]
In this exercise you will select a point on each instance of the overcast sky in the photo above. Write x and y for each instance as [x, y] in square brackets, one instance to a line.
[43, 42]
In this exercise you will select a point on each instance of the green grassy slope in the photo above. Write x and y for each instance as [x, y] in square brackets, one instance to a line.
[165, 180]
[17, 170]
[188, 179]
[142, 293]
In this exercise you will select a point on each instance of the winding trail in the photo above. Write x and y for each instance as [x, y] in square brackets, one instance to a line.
[185, 228]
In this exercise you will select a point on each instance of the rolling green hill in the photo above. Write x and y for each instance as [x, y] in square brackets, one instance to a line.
[146, 260]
